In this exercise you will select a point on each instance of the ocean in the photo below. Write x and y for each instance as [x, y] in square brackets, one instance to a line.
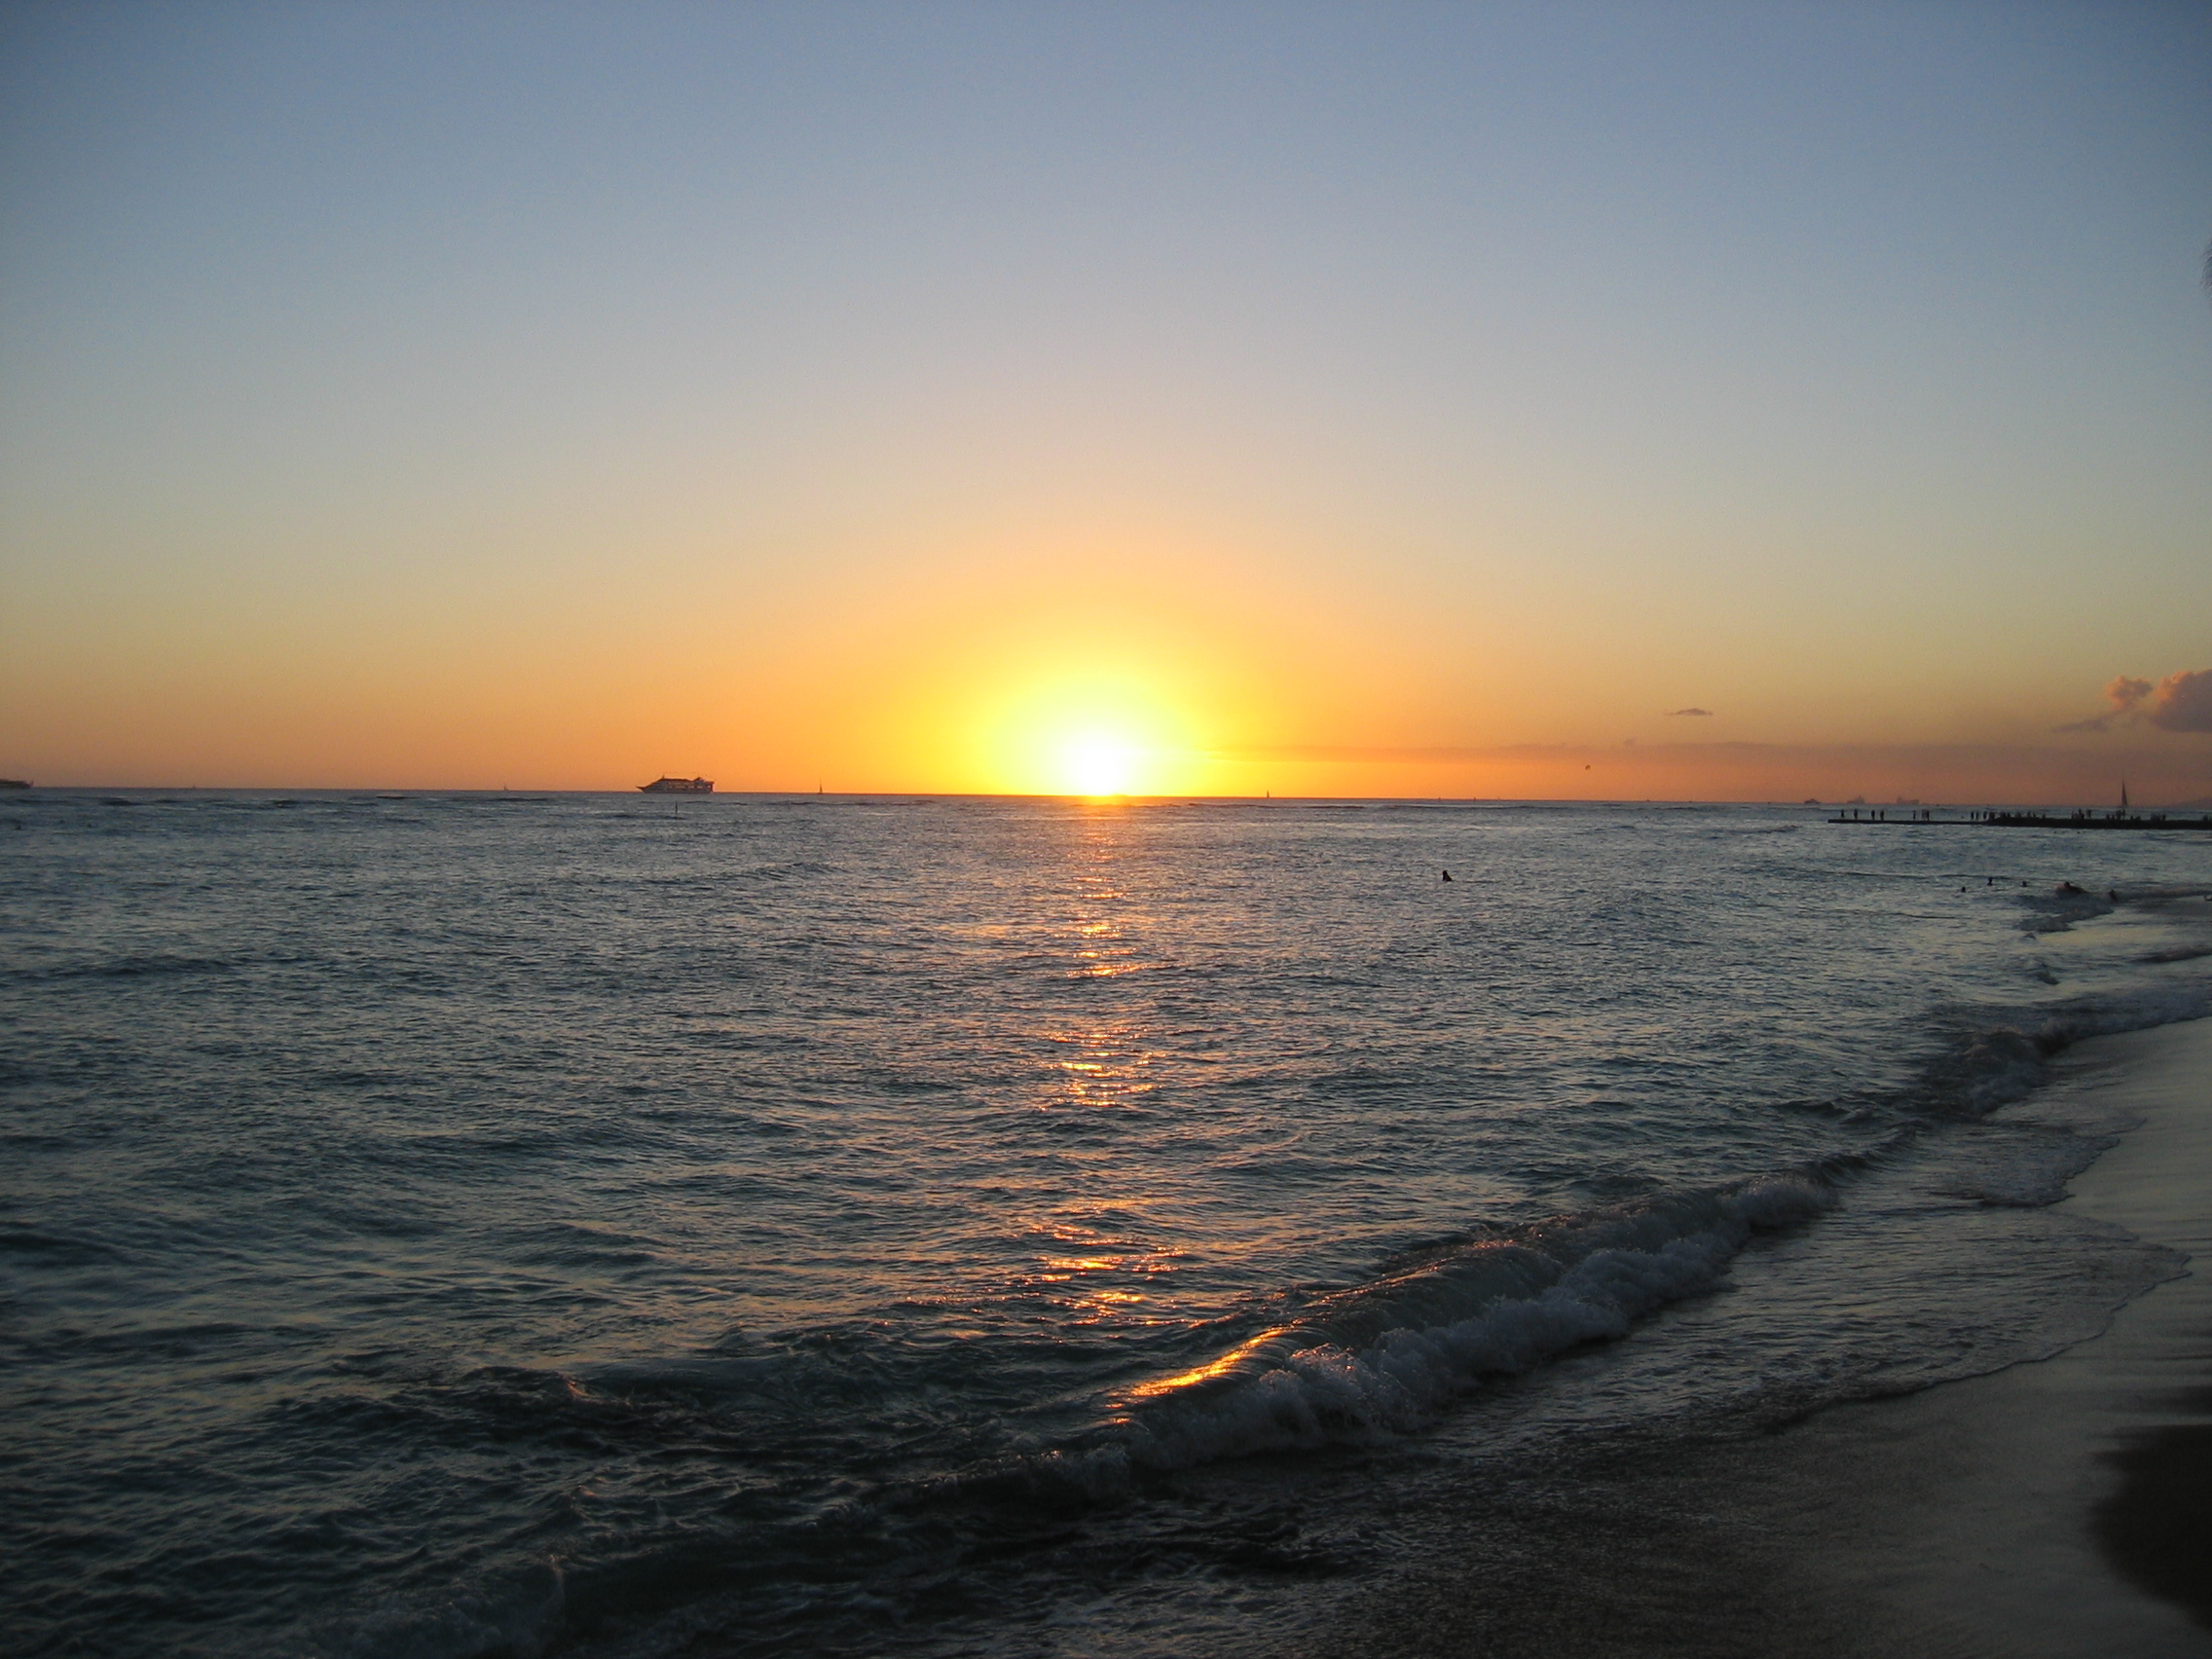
[474, 1225]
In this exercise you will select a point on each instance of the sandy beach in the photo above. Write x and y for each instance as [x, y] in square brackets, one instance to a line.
[2057, 1509]
[2065, 1507]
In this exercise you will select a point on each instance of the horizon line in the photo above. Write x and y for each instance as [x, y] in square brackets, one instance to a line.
[919, 796]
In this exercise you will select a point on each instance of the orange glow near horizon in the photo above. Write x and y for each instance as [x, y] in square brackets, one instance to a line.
[1128, 661]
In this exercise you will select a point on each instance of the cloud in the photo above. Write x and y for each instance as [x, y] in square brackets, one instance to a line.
[1706, 713]
[2124, 694]
[2182, 702]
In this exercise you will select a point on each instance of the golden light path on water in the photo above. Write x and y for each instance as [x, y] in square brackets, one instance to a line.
[1104, 1066]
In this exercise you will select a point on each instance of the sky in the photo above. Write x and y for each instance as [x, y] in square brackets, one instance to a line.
[1684, 400]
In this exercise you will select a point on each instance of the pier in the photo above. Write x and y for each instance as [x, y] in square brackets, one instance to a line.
[2082, 817]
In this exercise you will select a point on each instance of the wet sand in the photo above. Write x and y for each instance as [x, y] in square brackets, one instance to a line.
[2063, 1507]
[2060, 1509]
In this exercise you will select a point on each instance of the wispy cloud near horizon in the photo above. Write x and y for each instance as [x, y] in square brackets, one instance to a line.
[2180, 702]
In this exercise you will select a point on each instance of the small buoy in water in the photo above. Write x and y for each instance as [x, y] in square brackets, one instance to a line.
[1447, 876]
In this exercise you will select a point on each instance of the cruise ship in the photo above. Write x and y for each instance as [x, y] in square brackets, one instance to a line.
[677, 786]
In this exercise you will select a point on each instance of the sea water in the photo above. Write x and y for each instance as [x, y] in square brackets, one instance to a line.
[477, 1224]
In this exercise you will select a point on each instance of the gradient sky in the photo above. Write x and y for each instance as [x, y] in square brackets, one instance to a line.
[1373, 398]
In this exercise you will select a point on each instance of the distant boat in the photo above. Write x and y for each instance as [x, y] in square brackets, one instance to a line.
[14, 784]
[677, 786]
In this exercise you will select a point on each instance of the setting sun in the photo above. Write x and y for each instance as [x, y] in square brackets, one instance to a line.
[1099, 733]
[1099, 763]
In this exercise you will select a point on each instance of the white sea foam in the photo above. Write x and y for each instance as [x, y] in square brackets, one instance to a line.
[1998, 1065]
[1383, 1357]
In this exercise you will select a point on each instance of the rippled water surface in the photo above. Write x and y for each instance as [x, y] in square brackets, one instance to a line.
[491, 1224]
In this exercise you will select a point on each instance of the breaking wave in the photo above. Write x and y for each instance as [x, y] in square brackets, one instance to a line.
[1383, 1357]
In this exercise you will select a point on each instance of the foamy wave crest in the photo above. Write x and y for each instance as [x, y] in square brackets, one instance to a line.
[1383, 1357]
[1997, 1065]
[2153, 1005]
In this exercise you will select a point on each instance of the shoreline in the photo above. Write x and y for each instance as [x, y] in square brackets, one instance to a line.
[2071, 1496]
[2054, 1508]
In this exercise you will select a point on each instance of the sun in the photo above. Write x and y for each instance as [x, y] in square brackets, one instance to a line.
[1099, 763]
[1096, 736]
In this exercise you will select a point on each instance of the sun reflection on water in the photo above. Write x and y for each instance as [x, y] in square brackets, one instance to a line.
[1097, 1275]
[1102, 1051]
[1104, 1064]
[1238, 1359]
[1107, 1066]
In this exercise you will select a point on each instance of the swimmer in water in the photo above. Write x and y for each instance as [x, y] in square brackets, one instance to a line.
[1447, 876]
